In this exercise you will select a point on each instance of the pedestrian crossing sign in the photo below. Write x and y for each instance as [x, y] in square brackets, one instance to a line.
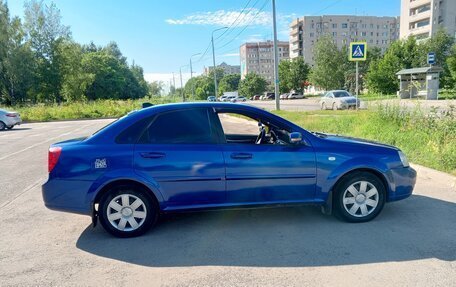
[358, 51]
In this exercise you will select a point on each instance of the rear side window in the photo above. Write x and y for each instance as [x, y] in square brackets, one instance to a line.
[180, 127]
[131, 134]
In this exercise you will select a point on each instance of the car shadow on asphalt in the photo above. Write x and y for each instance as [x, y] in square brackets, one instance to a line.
[16, 130]
[417, 228]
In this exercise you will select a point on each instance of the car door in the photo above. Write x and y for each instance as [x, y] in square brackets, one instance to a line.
[267, 173]
[178, 152]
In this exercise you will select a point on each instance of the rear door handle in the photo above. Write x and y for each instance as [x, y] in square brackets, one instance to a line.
[152, 154]
[241, 155]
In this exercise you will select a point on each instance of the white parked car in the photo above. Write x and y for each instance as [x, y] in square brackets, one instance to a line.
[238, 99]
[338, 100]
[9, 119]
[228, 98]
[295, 96]
[284, 96]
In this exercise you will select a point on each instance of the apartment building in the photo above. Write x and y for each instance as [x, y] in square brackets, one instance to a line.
[423, 18]
[259, 58]
[376, 31]
[227, 69]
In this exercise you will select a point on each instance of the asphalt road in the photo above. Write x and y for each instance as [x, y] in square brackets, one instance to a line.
[411, 243]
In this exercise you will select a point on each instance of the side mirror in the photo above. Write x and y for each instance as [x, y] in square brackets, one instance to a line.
[295, 137]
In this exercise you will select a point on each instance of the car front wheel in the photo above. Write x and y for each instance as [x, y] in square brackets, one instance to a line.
[126, 212]
[359, 197]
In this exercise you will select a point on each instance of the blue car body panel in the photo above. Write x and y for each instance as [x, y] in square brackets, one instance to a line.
[194, 176]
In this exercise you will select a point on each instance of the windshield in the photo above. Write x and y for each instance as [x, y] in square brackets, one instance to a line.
[341, 94]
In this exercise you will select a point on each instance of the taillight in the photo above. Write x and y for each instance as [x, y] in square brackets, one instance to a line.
[54, 154]
[11, 115]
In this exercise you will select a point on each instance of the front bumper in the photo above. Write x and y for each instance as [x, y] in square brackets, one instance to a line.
[404, 179]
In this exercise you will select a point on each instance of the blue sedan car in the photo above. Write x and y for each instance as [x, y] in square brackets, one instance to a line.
[194, 156]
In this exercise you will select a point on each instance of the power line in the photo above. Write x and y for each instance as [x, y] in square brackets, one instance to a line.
[245, 27]
[239, 15]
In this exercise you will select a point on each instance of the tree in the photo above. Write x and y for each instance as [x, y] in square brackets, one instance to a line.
[373, 54]
[293, 74]
[229, 83]
[440, 43]
[252, 84]
[451, 63]
[328, 71]
[155, 88]
[401, 54]
[45, 32]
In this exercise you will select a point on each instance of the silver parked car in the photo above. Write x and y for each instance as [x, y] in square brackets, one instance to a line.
[338, 100]
[9, 119]
[238, 99]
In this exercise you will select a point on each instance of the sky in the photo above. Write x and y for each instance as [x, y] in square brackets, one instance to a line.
[161, 36]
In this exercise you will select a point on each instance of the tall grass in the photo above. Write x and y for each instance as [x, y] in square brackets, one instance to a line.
[427, 138]
[84, 110]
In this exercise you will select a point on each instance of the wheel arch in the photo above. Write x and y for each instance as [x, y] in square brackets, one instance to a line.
[328, 206]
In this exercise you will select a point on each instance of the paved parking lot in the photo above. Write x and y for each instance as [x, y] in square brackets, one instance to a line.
[412, 243]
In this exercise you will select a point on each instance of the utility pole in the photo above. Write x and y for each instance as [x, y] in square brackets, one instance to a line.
[182, 87]
[276, 58]
[213, 60]
[191, 74]
[174, 82]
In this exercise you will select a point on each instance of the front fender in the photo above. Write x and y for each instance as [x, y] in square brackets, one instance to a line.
[330, 174]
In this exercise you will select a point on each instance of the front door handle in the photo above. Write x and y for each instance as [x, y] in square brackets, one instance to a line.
[152, 154]
[241, 155]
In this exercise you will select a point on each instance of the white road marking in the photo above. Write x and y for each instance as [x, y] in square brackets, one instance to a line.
[45, 141]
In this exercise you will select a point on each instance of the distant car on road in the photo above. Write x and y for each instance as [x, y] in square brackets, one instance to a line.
[184, 157]
[238, 99]
[284, 96]
[338, 100]
[9, 119]
[268, 96]
[211, 99]
[293, 96]
[256, 98]
[228, 98]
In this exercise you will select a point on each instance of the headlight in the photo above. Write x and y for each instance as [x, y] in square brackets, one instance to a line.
[403, 158]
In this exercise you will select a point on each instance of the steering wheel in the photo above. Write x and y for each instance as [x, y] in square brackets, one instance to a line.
[261, 136]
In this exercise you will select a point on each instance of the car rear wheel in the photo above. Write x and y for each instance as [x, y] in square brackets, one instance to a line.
[359, 197]
[2, 126]
[323, 106]
[334, 107]
[127, 212]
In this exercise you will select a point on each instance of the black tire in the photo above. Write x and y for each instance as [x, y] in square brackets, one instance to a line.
[2, 126]
[150, 206]
[354, 179]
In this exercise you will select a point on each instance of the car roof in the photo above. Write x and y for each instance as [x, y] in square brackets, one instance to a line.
[332, 91]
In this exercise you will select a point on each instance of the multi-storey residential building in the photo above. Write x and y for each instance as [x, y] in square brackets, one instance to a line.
[423, 18]
[227, 69]
[376, 31]
[259, 58]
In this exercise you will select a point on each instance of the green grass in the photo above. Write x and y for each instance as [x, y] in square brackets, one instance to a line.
[83, 110]
[426, 140]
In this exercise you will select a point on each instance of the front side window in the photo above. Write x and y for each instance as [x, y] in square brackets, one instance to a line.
[180, 127]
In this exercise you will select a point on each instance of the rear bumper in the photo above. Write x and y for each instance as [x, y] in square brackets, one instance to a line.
[404, 179]
[67, 195]
[12, 121]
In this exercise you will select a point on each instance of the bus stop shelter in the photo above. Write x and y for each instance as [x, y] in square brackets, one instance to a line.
[419, 83]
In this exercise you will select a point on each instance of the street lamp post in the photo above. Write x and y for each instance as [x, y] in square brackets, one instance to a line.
[191, 74]
[182, 86]
[276, 58]
[213, 59]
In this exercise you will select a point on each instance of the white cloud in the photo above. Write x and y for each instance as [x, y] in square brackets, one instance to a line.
[231, 55]
[251, 16]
